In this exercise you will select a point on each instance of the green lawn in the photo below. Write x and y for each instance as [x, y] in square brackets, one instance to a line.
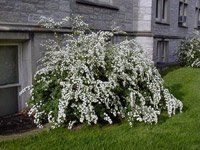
[179, 132]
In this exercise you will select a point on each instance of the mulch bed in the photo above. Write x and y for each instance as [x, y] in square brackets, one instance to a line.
[16, 124]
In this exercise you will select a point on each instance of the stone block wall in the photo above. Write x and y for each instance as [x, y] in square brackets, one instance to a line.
[23, 15]
[29, 11]
[102, 18]
[171, 31]
[142, 11]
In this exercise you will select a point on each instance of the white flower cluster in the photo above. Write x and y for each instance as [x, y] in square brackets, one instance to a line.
[49, 23]
[189, 51]
[37, 113]
[88, 79]
[28, 88]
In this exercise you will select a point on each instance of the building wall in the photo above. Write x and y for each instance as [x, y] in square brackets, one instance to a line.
[132, 16]
[142, 15]
[103, 18]
[172, 32]
[23, 16]
[19, 18]
[29, 11]
[173, 29]
[18, 25]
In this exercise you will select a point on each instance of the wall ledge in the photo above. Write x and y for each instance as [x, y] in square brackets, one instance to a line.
[97, 4]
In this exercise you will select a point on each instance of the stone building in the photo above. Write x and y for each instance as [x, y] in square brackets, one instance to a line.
[158, 25]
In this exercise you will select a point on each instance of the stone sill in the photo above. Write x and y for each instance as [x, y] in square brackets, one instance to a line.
[168, 37]
[96, 4]
[19, 27]
[182, 26]
[162, 23]
[197, 28]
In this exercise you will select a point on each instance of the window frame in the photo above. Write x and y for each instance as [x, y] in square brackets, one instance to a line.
[162, 44]
[197, 15]
[162, 11]
[182, 14]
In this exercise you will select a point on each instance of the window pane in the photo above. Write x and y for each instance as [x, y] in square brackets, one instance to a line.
[198, 19]
[8, 101]
[157, 8]
[158, 53]
[162, 51]
[8, 65]
[162, 56]
[185, 10]
[181, 9]
[164, 9]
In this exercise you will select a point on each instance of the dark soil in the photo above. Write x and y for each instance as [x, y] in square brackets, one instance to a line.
[16, 124]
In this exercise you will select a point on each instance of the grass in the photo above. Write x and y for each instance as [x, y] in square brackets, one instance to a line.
[180, 132]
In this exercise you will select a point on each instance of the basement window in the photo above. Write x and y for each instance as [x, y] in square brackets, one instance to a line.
[162, 51]
[9, 78]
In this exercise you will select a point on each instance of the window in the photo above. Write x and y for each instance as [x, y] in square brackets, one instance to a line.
[9, 78]
[197, 13]
[182, 19]
[162, 11]
[162, 51]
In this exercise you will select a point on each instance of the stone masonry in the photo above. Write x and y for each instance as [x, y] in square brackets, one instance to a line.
[171, 31]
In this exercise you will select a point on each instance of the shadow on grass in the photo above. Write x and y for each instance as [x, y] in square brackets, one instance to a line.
[176, 91]
[164, 72]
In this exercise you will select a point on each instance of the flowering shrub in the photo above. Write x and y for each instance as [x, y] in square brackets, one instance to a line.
[84, 78]
[189, 51]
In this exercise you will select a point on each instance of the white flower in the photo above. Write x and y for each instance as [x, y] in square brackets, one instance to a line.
[84, 78]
